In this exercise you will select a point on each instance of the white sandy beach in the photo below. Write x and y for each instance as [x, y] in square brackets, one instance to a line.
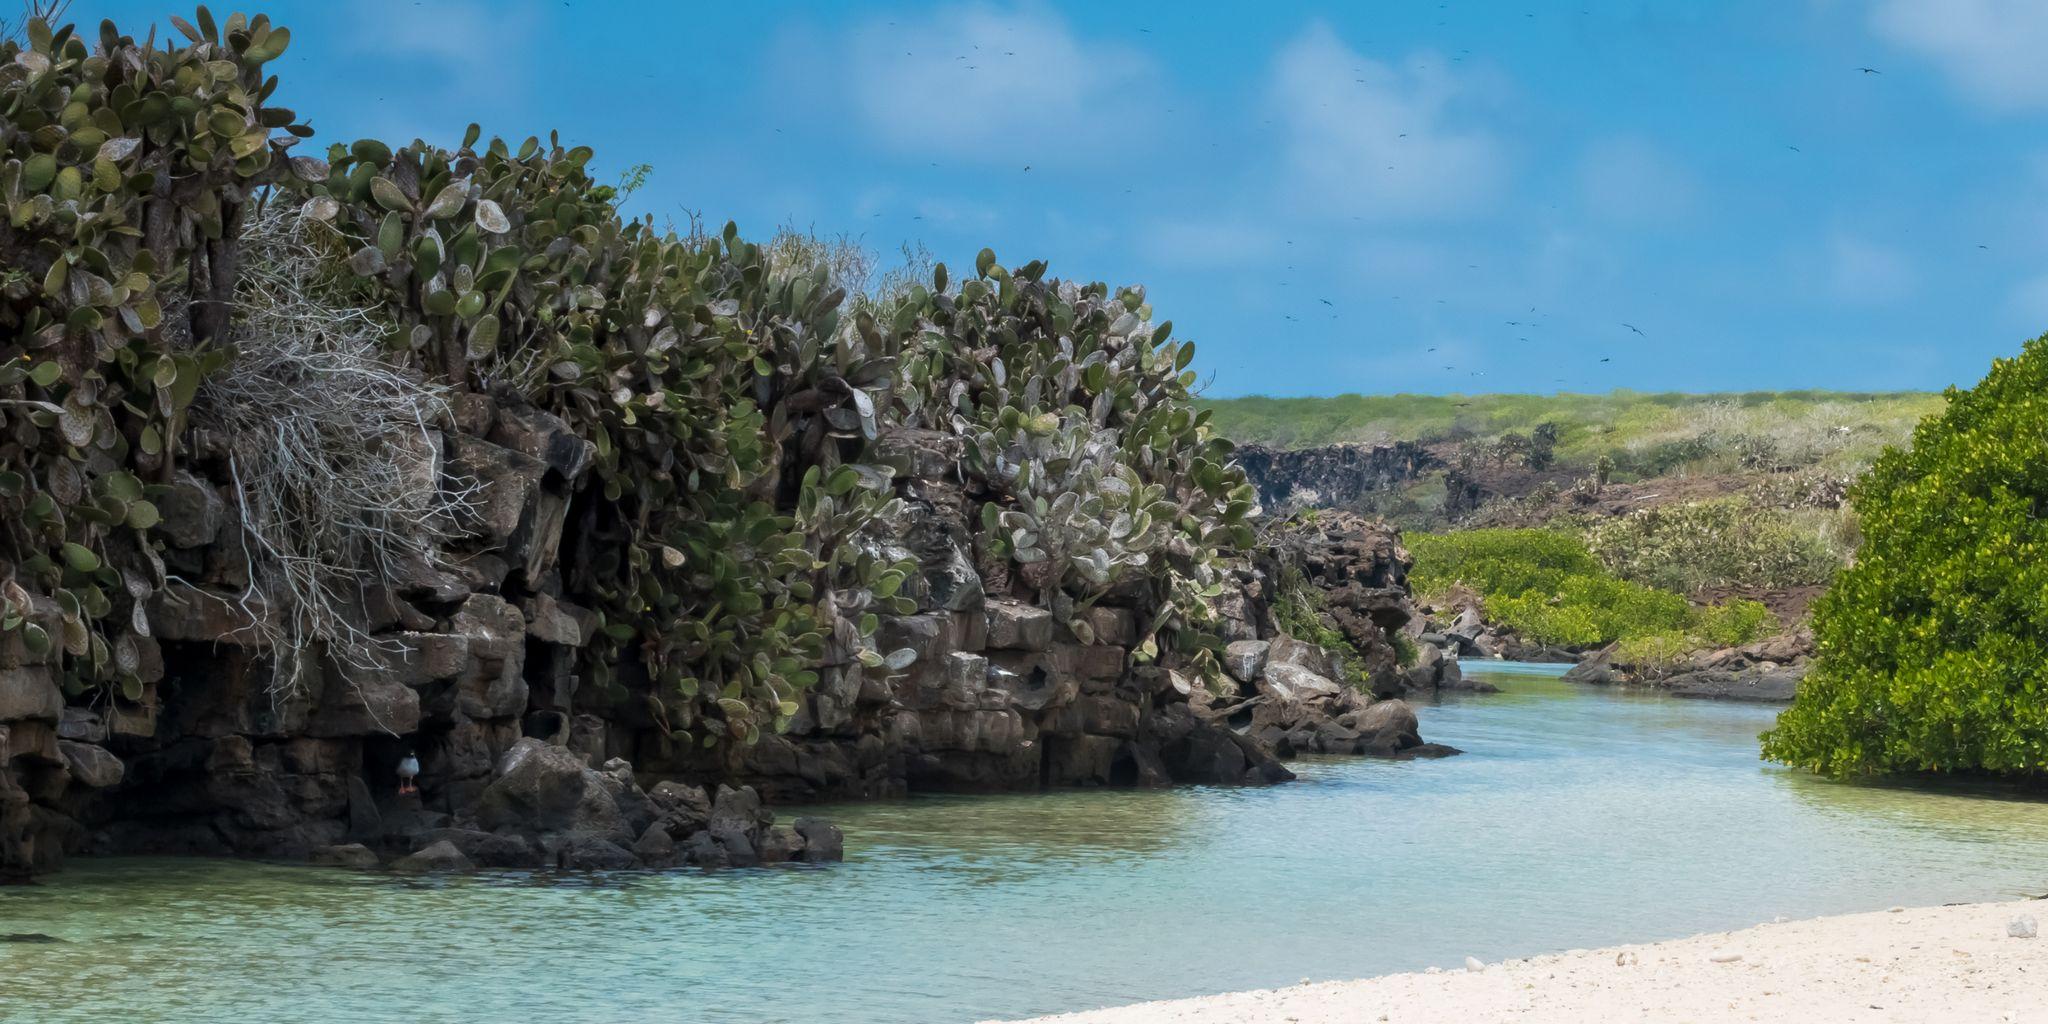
[1930, 964]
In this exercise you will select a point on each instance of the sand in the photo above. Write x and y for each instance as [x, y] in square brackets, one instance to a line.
[1932, 964]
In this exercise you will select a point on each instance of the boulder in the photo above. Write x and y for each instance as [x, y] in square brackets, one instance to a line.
[779, 843]
[1245, 660]
[364, 704]
[823, 841]
[494, 686]
[1286, 650]
[966, 677]
[684, 808]
[544, 437]
[1115, 626]
[438, 857]
[1767, 686]
[738, 846]
[1386, 727]
[30, 692]
[92, 766]
[950, 580]
[488, 849]
[705, 852]
[738, 810]
[82, 724]
[1598, 669]
[1287, 682]
[542, 788]
[1427, 671]
[1468, 625]
[507, 488]
[559, 622]
[190, 512]
[1014, 625]
[655, 848]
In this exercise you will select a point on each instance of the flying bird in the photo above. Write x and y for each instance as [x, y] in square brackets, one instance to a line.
[1870, 71]
[1638, 330]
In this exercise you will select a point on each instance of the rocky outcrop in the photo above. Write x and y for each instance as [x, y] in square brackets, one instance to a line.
[233, 747]
[1330, 475]
[1460, 628]
[1767, 671]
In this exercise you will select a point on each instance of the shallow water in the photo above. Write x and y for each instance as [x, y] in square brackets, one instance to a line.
[1577, 817]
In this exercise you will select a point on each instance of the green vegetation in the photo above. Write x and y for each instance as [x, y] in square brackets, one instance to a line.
[1687, 547]
[732, 391]
[1643, 434]
[1933, 647]
[1546, 586]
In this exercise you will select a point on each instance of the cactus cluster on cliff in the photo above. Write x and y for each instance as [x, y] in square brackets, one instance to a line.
[730, 401]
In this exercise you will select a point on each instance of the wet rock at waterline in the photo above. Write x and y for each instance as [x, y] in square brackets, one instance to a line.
[434, 857]
[1767, 671]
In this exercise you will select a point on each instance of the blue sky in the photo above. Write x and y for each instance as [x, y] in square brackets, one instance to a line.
[1372, 197]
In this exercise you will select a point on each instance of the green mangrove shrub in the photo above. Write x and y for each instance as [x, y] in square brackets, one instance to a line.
[1546, 586]
[1933, 647]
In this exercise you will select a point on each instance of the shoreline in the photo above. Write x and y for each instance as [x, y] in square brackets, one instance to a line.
[1953, 962]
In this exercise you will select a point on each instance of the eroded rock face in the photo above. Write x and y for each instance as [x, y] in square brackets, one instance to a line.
[1330, 475]
[235, 748]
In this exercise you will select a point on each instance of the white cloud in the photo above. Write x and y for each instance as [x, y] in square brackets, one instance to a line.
[1629, 181]
[1865, 272]
[1008, 85]
[1374, 140]
[1993, 49]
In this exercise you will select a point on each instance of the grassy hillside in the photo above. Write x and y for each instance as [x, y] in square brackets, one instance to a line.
[1838, 431]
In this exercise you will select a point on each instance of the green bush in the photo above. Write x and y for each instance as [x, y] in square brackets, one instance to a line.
[1505, 562]
[1545, 586]
[1734, 622]
[1691, 546]
[1933, 647]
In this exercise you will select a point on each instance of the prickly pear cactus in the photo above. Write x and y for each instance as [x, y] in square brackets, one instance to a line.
[124, 168]
[1076, 410]
[730, 400]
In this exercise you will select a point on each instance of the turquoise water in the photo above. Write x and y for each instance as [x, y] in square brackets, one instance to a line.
[1577, 817]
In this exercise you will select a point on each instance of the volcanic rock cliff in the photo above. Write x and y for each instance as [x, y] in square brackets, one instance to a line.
[522, 762]
[1331, 475]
